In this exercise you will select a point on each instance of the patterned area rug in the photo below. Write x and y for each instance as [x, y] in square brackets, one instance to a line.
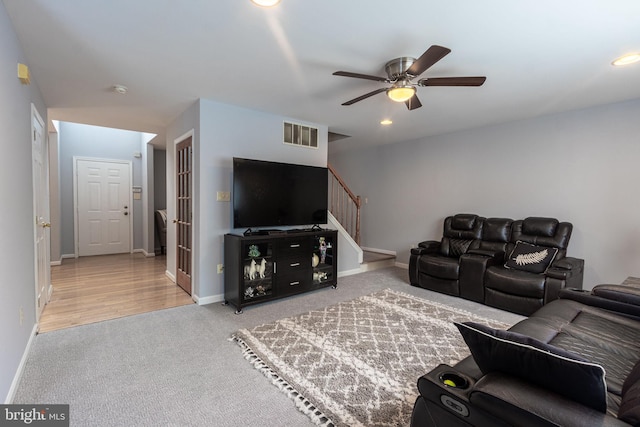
[357, 363]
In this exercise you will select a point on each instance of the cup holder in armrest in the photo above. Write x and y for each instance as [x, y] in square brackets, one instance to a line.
[453, 380]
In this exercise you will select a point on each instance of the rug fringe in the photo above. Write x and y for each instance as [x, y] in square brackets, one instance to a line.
[301, 402]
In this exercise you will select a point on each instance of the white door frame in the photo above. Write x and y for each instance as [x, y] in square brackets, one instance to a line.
[76, 225]
[44, 202]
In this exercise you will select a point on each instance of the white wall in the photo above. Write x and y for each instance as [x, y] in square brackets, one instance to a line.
[17, 258]
[581, 167]
[224, 132]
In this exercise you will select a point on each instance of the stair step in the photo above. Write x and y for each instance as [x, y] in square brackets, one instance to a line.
[376, 260]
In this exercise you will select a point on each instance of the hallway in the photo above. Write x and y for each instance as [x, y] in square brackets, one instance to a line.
[93, 289]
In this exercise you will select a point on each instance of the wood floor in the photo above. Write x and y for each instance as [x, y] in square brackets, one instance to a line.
[93, 289]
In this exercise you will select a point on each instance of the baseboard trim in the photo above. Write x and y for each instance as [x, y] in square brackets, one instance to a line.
[380, 251]
[170, 276]
[349, 272]
[208, 300]
[402, 265]
[23, 361]
[145, 253]
[67, 256]
[55, 263]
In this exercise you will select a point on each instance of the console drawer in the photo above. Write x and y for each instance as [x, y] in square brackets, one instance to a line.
[293, 283]
[294, 248]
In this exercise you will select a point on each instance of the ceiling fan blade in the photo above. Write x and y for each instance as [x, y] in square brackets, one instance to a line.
[413, 103]
[365, 96]
[432, 55]
[361, 76]
[452, 81]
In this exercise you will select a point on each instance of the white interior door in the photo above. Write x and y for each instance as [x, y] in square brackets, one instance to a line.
[41, 211]
[103, 201]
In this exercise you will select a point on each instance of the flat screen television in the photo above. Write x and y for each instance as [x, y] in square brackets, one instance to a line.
[271, 194]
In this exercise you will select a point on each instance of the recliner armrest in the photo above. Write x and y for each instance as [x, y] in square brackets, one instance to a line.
[524, 404]
[426, 247]
[498, 255]
[568, 263]
[565, 268]
[629, 306]
[622, 293]
[429, 244]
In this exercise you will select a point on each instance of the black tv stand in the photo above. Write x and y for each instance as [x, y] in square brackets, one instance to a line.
[264, 267]
[269, 232]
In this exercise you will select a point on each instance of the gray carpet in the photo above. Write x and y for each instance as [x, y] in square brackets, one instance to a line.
[177, 366]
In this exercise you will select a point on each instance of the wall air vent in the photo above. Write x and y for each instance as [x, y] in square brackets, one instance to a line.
[304, 136]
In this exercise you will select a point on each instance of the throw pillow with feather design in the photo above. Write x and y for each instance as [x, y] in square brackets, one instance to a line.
[531, 258]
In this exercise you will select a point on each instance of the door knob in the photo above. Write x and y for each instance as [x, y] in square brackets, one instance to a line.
[46, 224]
[126, 213]
[126, 207]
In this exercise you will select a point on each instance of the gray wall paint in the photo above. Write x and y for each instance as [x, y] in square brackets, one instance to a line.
[224, 132]
[96, 142]
[54, 198]
[160, 178]
[160, 187]
[580, 166]
[17, 259]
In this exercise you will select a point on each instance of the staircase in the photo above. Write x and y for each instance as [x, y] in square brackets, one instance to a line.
[345, 207]
[376, 260]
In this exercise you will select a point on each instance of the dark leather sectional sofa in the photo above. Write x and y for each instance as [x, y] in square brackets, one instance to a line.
[575, 362]
[475, 259]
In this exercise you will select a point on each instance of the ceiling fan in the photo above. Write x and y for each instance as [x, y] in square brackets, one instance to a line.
[401, 72]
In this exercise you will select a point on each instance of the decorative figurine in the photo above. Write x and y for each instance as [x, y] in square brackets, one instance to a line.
[315, 260]
[319, 276]
[323, 249]
[250, 270]
[248, 293]
[262, 268]
[253, 251]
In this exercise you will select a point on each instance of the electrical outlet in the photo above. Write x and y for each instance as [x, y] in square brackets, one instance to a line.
[223, 196]
[220, 268]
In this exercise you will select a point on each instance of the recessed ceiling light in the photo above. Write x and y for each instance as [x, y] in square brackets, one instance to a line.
[627, 59]
[120, 89]
[265, 3]
[386, 122]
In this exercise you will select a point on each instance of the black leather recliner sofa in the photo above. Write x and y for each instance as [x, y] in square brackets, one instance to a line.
[515, 265]
[575, 362]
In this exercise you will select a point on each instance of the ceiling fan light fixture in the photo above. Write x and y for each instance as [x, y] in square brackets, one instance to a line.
[627, 59]
[265, 3]
[401, 93]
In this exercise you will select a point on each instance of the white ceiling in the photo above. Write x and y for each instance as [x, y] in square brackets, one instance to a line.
[539, 56]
